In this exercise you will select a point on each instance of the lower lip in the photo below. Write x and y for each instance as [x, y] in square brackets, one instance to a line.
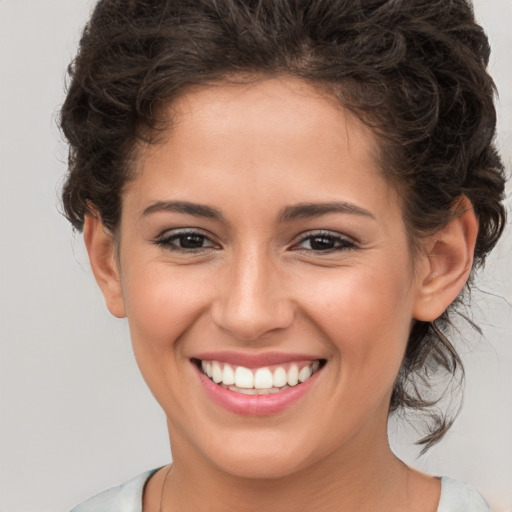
[255, 405]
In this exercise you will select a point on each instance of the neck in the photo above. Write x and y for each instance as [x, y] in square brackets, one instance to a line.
[355, 478]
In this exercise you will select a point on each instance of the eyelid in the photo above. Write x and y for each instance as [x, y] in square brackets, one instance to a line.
[348, 242]
[165, 238]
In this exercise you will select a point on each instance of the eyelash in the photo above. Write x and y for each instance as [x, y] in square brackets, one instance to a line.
[339, 243]
[166, 241]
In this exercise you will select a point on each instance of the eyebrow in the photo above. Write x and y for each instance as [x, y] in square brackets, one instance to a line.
[198, 210]
[310, 210]
[289, 213]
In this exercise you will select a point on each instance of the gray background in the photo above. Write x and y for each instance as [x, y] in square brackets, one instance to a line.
[75, 415]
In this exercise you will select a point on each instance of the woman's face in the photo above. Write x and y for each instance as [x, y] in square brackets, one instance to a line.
[258, 241]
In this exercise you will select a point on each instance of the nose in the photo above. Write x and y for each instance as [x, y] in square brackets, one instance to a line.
[252, 301]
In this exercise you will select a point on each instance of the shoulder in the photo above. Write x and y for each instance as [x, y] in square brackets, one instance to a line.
[126, 497]
[459, 497]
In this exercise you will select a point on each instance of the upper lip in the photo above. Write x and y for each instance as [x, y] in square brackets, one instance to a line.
[254, 360]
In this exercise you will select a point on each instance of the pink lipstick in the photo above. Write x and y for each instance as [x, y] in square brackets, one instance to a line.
[256, 384]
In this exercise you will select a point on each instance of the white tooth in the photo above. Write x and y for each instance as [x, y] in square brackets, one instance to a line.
[256, 391]
[228, 375]
[248, 391]
[293, 375]
[279, 379]
[315, 366]
[209, 369]
[304, 373]
[216, 372]
[244, 378]
[263, 379]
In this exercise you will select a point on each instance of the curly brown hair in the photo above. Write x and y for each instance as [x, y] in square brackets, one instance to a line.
[414, 70]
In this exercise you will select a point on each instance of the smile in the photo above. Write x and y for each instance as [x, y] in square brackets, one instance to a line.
[258, 381]
[257, 390]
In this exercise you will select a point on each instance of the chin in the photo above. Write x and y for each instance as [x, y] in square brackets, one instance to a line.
[262, 466]
[264, 456]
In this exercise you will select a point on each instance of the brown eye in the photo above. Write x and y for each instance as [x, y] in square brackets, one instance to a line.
[325, 242]
[185, 241]
[322, 243]
[190, 241]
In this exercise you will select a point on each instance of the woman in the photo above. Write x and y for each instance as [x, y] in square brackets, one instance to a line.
[285, 199]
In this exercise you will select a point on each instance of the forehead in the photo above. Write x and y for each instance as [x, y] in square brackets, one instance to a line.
[283, 106]
[268, 137]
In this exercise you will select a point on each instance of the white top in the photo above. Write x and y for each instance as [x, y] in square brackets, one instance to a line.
[455, 497]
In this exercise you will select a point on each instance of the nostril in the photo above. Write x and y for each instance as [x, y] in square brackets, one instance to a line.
[251, 321]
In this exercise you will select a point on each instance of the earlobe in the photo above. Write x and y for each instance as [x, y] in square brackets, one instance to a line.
[100, 246]
[448, 262]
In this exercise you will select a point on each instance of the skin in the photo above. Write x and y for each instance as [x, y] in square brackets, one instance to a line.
[258, 285]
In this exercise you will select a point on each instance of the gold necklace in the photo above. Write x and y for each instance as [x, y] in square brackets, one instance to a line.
[163, 488]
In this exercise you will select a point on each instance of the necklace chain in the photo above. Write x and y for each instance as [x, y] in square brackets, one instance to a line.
[160, 509]
[163, 488]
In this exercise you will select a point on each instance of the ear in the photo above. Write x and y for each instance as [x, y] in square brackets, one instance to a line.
[101, 248]
[447, 262]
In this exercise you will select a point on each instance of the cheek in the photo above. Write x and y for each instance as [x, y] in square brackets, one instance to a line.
[365, 314]
[162, 304]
